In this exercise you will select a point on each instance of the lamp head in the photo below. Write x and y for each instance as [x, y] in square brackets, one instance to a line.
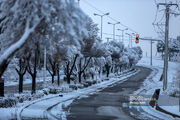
[107, 13]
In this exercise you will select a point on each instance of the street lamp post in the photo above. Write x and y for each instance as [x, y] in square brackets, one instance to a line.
[114, 25]
[122, 33]
[133, 34]
[129, 39]
[101, 20]
[108, 39]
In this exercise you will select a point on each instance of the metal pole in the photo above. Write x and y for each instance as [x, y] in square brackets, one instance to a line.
[131, 41]
[166, 48]
[101, 25]
[151, 52]
[119, 38]
[123, 36]
[114, 32]
[44, 72]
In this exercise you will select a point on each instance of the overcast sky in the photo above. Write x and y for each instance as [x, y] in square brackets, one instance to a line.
[136, 14]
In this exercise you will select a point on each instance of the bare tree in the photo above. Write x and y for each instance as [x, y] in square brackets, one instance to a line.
[21, 72]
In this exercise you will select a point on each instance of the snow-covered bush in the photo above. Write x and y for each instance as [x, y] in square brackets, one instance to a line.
[8, 102]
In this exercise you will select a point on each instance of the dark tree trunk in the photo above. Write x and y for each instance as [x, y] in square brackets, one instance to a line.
[84, 75]
[58, 79]
[34, 84]
[20, 83]
[68, 70]
[107, 69]
[82, 69]
[53, 70]
[33, 72]
[100, 72]
[107, 74]
[120, 68]
[21, 72]
[68, 79]
[58, 76]
[80, 74]
[52, 79]
[2, 70]
[92, 75]
[1, 87]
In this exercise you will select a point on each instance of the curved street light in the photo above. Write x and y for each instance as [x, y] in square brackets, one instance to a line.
[114, 25]
[122, 33]
[95, 14]
[130, 40]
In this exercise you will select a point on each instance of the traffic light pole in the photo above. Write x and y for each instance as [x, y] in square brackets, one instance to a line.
[151, 40]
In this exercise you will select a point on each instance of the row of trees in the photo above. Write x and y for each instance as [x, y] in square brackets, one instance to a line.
[174, 49]
[70, 37]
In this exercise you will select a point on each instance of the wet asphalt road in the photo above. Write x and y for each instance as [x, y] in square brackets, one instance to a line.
[107, 104]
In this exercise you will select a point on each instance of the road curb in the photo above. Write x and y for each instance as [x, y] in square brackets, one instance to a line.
[166, 112]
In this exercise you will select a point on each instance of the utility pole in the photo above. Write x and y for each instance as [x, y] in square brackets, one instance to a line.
[95, 14]
[165, 73]
[151, 51]
[44, 71]
[114, 25]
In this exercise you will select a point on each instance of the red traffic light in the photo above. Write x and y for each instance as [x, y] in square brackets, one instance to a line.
[137, 38]
[137, 41]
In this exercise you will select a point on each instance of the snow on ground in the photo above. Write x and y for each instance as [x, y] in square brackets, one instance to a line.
[29, 81]
[152, 82]
[8, 113]
[44, 105]
[174, 109]
[158, 62]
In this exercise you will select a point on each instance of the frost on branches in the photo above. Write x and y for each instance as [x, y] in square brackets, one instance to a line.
[71, 40]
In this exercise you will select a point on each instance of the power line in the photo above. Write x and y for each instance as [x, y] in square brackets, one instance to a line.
[163, 16]
[92, 6]
[158, 28]
[157, 10]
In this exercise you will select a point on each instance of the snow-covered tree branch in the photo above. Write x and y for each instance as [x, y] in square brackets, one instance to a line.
[14, 47]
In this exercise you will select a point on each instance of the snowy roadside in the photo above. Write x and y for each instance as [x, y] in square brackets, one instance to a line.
[57, 102]
[29, 81]
[51, 99]
[152, 83]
